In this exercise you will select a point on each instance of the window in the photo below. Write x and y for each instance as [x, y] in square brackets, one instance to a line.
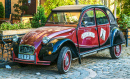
[111, 17]
[64, 18]
[88, 19]
[101, 18]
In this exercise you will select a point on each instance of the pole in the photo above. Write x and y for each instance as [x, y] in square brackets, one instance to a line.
[127, 37]
[77, 2]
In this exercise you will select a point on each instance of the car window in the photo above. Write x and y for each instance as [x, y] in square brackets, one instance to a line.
[101, 17]
[111, 17]
[88, 19]
[64, 18]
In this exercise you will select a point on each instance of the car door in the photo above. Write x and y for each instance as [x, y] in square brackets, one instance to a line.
[87, 32]
[103, 25]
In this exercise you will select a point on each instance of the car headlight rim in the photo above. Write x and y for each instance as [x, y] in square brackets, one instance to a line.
[15, 38]
[45, 40]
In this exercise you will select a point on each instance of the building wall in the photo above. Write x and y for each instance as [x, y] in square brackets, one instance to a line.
[39, 2]
[42, 2]
[3, 1]
[12, 4]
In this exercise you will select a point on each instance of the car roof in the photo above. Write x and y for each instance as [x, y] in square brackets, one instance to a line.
[75, 7]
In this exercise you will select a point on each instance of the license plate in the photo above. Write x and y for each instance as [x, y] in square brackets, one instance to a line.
[26, 57]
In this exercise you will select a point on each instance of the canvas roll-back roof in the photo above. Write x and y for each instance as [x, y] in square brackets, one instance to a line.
[74, 7]
[69, 7]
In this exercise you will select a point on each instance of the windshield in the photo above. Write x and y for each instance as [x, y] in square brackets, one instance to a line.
[64, 18]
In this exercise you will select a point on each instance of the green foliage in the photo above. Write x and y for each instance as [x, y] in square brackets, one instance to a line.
[124, 21]
[20, 8]
[89, 2]
[51, 4]
[126, 7]
[18, 25]
[1, 10]
[40, 15]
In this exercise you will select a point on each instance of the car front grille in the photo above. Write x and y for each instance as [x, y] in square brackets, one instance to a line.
[26, 49]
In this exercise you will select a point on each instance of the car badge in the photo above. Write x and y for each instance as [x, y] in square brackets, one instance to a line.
[25, 49]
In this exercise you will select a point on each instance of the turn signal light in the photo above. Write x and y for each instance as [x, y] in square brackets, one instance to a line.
[49, 52]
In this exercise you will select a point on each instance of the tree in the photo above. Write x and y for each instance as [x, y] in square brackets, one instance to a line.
[1, 10]
[126, 7]
[89, 2]
[39, 16]
[20, 8]
[117, 3]
[51, 4]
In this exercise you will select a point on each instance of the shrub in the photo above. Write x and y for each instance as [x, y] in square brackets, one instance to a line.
[126, 7]
[18, 8]
[1, 10]
[40, 15]
[15, 26]
[124, 21]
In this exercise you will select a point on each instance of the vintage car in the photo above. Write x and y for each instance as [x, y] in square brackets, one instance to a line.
[71, 32]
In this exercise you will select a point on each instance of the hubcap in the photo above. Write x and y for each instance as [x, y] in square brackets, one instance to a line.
[117, 50]
[67, 60]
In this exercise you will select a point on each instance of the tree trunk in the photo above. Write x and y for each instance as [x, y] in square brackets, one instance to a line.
[76, 2]
[115, 10]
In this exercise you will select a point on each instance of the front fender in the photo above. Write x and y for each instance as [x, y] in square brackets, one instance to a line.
[117, 37]
[54, 46]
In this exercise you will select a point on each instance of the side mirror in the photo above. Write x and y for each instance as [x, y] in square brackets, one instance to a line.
[84, 23]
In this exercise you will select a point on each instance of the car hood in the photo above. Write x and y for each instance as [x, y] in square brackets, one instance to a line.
[35, 36]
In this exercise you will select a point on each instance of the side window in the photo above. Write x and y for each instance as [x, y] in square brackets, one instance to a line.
[101, 17]
[111, 17]
[88, 19]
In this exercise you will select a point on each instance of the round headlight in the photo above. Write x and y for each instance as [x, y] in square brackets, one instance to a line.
[15, 38]
[45, 40]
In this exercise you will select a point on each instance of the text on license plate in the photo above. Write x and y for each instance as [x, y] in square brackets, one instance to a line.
[26, 57]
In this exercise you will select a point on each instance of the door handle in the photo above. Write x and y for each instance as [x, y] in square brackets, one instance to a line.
[95, 28]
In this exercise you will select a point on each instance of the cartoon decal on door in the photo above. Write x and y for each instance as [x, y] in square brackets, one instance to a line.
[102, 34]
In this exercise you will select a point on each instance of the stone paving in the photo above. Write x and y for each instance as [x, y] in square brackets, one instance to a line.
[98, 66]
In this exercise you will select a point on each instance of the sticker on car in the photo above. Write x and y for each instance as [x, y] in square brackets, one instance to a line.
[88, 34]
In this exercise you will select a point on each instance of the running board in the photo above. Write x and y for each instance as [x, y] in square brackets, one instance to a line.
[88, 54]
[84, 55]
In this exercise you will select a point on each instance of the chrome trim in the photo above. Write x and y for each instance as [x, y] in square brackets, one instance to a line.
[33, 48]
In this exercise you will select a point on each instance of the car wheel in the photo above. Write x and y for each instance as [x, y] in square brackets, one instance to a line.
[64, 60]
[115, 51]
[22, 65]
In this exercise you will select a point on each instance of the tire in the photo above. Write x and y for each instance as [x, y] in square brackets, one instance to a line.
[64, 60]
[115, 51]
[22, 65]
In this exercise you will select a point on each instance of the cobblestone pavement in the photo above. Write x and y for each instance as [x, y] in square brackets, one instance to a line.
[98, 66]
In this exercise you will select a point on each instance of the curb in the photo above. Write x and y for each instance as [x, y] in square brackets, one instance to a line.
[2, 65]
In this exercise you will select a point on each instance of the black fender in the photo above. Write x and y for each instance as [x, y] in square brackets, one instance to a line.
[16, 46]
[117, 37]
[54, 46]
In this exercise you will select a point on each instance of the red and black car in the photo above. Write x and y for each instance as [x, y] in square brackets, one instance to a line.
[70, 32]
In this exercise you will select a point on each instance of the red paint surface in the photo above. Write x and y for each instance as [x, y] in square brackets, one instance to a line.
[105, 27]
[35, 37]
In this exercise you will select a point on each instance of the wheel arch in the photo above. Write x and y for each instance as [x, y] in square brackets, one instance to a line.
[55, 46]
[70, 44]
[117, 37]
